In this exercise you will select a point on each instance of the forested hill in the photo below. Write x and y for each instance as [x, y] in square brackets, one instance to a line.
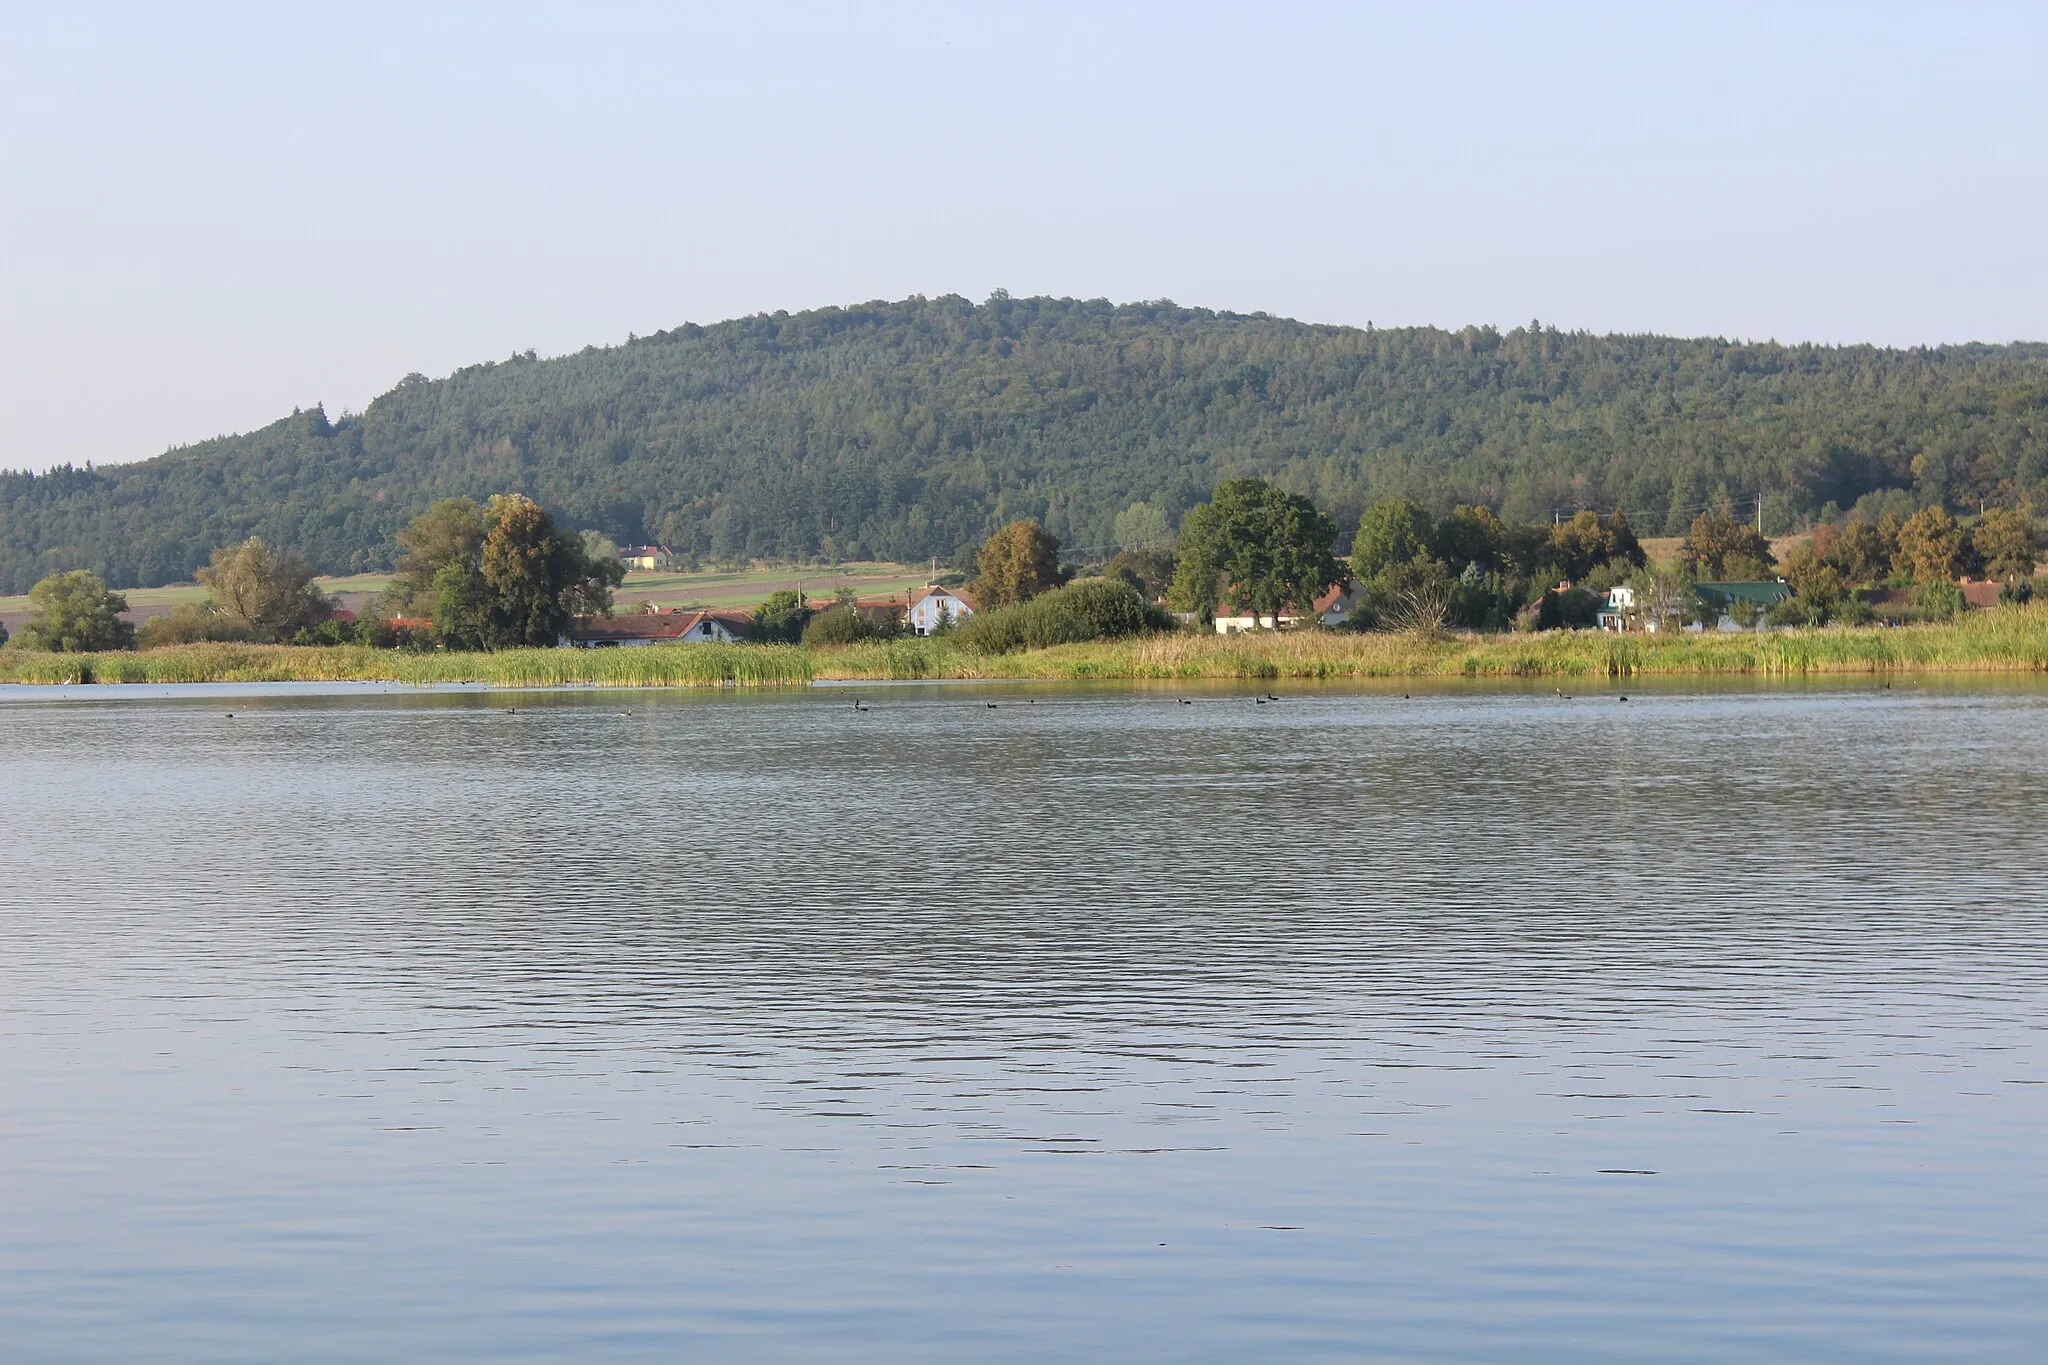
[904, 430]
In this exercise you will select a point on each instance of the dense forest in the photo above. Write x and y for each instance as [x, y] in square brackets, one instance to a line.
[911, 429]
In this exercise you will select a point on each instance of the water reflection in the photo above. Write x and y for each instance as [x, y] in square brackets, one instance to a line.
[1468, 1024]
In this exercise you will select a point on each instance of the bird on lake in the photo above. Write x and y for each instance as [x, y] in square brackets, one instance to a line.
[990, 705]
[1624, 698]
[1271, 697]
[231, 715]
[1258, 701]
[858, 706]
[1183, 701]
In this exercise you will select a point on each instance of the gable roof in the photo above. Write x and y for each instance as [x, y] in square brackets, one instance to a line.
[918, 595]
[1761, 593]
[655, 625]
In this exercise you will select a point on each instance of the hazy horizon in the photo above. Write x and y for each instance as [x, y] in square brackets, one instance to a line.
[219, 215]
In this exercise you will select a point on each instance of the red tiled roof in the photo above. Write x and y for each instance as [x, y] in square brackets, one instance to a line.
[655, 625]
[1332, 597]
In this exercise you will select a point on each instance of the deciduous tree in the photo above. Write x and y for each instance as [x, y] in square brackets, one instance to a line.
[1718, 545]
[1257, 546]
[1017, 563]
[2008, 542]
[75, 614]
[1931, 545]
[263, 592]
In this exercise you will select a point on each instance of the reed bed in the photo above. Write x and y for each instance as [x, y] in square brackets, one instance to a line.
[706, 665]
[2000, 640]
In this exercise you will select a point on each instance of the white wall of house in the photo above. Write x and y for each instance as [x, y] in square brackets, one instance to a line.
[926, 615]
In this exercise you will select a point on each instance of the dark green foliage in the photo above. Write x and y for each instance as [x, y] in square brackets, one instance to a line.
[1255, 546]
[75, 614]
[1090, 609]
[1150, 572]
[1939, 600]
[1391, 533]
[838, 625]
[915, 428]
[1111, 608]
[1568, 608]
[782, 618]
[500, 576]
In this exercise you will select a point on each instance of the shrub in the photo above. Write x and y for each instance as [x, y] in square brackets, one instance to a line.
[1110, 606]
[187, 625]
[1939, 601]
[836, 626]
[1092, 609]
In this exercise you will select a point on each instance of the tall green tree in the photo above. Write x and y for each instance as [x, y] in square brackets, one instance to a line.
[1469, 535]
[264, 593]
[449, 532]
[782, 618]
[1256, 547]
[75, 614]
[1393, 531]
[538, 577]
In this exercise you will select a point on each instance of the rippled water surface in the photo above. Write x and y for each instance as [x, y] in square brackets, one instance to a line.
[671, 1026]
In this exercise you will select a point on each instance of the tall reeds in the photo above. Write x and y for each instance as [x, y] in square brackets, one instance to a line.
[2003, 639]
[705, 665]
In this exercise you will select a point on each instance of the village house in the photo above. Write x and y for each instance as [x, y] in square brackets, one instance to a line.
[1615, 609]
[683, 626]
[1334, 608]
[645, 557]
[931, 605]
[1721, 602]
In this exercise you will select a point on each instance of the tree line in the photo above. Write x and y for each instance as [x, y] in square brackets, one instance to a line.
[503, 575]
[917, 428]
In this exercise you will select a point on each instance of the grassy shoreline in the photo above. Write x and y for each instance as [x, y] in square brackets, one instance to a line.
[2002, 640]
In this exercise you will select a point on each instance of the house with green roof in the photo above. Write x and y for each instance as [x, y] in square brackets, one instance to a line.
[1728, 600]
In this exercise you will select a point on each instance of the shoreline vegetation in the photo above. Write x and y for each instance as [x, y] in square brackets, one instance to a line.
[2006, 639]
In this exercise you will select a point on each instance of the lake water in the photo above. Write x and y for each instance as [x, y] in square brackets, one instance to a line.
[1480, 1025]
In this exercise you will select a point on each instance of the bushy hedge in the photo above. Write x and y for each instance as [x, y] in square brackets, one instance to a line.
[1092, 609]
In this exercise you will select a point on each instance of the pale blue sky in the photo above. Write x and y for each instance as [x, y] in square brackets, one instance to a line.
[215, 213]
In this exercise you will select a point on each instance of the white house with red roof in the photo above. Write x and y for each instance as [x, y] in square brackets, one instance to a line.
[931, 604]
[1334, 608]
[681, 627]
